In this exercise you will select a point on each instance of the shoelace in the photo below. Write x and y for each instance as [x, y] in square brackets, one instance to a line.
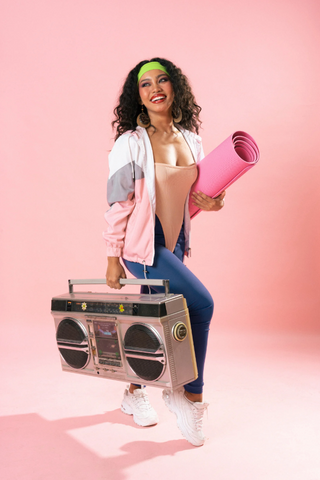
[141, 401]
[198, 415]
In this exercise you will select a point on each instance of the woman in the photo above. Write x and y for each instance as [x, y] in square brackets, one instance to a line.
[152, 167]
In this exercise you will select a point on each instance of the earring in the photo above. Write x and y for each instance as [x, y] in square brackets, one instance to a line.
[141, 117]
[179, 117]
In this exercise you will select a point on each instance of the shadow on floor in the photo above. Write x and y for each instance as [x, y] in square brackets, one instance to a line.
[35, 448]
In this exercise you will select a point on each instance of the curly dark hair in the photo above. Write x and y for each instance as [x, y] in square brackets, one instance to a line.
[129, 107]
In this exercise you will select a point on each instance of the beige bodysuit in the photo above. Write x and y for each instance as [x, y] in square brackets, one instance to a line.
[172, 186]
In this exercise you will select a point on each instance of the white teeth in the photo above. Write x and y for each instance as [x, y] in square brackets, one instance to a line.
[158, 98]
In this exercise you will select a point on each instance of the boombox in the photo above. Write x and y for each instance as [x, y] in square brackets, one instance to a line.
[137, 338]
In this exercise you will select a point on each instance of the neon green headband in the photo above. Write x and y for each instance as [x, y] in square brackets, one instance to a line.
[151, 66]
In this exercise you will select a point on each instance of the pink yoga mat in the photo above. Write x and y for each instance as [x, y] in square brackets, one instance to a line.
[224, 165]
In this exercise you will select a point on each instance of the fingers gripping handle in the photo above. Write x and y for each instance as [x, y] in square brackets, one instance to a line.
[123, 281]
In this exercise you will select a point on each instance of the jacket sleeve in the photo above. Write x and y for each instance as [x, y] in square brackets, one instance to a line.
[120, 193]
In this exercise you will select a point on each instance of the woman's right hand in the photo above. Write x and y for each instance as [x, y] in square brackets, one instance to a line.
[115, 271]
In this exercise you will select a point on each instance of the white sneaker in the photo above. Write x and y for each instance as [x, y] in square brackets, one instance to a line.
[189, 415]
[138, 405]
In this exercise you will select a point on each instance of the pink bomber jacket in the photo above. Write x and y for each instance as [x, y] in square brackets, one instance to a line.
[131, 196]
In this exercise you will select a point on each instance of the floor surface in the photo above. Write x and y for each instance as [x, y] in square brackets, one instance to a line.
[263, 422]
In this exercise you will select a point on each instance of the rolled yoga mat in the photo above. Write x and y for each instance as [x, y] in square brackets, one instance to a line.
[224, 165]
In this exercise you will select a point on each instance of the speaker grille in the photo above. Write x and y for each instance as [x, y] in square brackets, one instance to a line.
[141, 337]
[74, 358]
[70, 330]
[146, 369]
[143, 341]
[73, 343]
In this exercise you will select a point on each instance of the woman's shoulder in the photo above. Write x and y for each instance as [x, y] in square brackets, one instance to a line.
[125, 149]
[128, 139]
[124, 137]
[195, 142]
[192, 135]
[136, 134]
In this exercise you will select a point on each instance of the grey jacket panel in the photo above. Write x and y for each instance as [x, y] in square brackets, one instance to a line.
[121, 184]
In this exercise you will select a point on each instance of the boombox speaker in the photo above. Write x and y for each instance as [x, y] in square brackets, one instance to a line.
[144, 339]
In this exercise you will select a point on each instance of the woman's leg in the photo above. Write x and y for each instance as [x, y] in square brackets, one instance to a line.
[199, 301]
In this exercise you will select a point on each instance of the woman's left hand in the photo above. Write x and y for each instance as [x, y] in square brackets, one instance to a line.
[201, 200]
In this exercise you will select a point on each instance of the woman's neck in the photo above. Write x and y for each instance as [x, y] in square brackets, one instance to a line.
[162, 123]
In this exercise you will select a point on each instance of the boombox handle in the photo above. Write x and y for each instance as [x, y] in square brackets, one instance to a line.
[123, 281]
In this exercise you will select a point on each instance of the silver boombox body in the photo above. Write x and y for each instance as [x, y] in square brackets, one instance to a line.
[144, 339]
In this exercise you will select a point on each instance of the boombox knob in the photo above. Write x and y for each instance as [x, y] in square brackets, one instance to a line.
[179, 331]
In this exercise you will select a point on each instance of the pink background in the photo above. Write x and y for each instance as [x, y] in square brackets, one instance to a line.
[254, 66]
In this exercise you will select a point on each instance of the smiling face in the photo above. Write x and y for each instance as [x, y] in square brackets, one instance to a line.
[156, 92]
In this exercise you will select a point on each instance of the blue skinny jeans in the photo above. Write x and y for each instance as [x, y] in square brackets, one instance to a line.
[170, 265]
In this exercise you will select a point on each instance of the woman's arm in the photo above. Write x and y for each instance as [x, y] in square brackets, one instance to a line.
[117, 219]
[115, 271]
[120, 194]
[200, 199]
